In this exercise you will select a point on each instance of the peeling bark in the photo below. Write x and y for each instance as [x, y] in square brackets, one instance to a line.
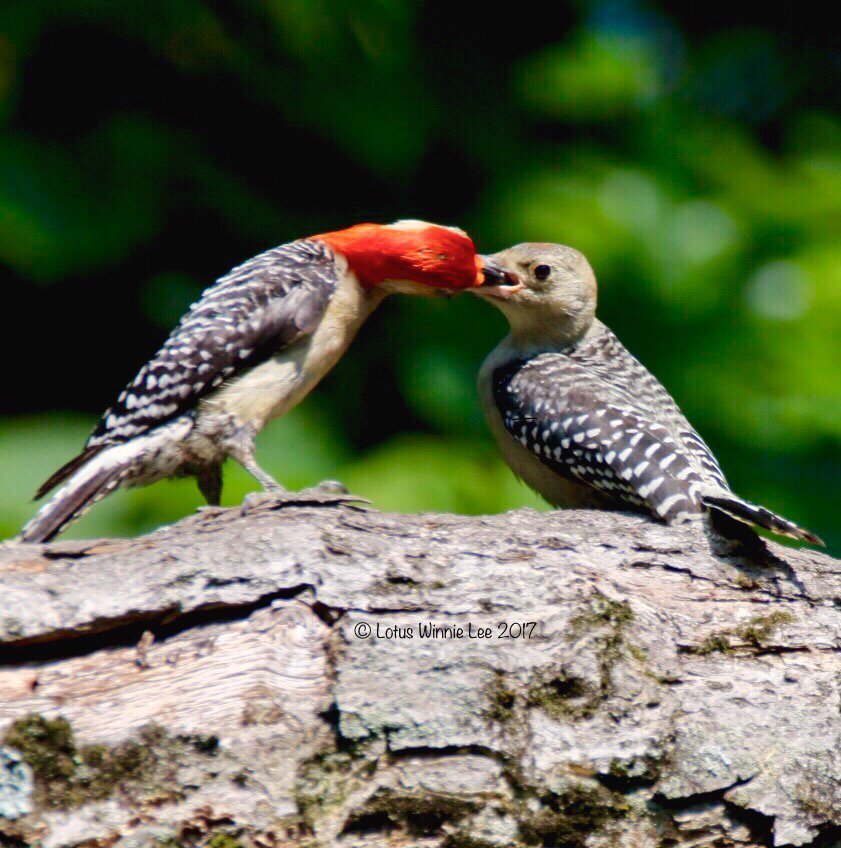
[596, 680]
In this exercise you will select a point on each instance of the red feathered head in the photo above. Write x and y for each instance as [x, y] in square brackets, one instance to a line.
[409, 251]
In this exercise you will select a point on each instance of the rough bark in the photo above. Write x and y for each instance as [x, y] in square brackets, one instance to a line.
[212, 684]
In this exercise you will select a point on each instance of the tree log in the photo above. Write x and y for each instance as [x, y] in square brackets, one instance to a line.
[321, 674]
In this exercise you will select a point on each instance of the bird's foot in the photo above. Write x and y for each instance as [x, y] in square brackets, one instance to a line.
[326, 493]
[272, 496]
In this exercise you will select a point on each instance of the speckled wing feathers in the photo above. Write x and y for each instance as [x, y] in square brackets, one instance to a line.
[618, 370]
[593, 431]
[257, 309]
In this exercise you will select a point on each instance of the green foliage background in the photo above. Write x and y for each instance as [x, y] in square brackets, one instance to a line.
[696, 160]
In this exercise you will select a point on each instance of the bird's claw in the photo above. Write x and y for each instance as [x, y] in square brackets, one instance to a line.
[254, 500]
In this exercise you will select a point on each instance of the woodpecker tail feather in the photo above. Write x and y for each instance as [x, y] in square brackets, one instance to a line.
[67, 470]
[750, 513]
[92, 476]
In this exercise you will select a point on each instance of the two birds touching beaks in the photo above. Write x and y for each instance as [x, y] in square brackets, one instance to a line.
[575, 415]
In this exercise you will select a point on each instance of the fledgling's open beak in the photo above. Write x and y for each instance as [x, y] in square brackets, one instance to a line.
[497, 282]
[493, 274]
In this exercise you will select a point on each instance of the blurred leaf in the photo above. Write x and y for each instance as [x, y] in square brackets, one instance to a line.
[53, 223]
[741, 73]
[594, 77]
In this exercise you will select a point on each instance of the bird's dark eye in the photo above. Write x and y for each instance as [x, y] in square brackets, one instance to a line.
[542, 272]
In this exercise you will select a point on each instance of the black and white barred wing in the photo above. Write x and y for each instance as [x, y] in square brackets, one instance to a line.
[586, 431]
[260, 307]
[606, 358]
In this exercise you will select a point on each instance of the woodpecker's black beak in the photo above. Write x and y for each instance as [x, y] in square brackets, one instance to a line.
[495, 275]
[497, 283]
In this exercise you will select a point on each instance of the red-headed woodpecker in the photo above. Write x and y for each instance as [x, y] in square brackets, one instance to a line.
[254, 345]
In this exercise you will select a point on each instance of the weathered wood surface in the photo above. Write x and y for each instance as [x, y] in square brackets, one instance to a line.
[212, 684]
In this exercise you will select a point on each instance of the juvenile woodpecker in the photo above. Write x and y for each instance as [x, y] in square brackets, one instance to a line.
[252, 347]
[577, 417]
